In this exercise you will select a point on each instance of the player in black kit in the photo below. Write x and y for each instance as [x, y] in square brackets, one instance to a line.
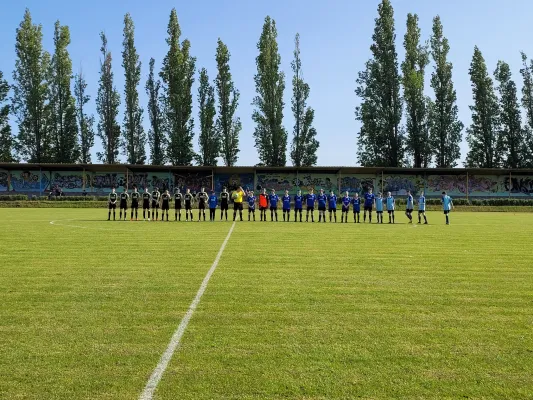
[155, 204]
[146, 203]
[135, 203]
[202, 201]
[124, 197]
[165, 204]
[224, 203]
[178, 198]
[189, 198]
[113, 196]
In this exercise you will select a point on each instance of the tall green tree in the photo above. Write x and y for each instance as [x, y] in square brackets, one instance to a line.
[156, 135]
[483, 135]
[85, 121]
[228, 126]
[134, 138]
[208, 140]
[444, 125]
[381, 138]
[62, 122]
[177, 75]
[416, 104]
[270, 135]
[304, 143]
[107, 103]
[30, 92]
[512, 134]
[6, 139]
[527, 102]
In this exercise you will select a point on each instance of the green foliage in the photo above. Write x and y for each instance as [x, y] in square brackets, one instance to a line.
[107, 104]
[208, 140]
[304, 143]
[177, 75]
[62, 122]
[7, 142]
[134, 138]
[270, 135]
[483, 135]
[527, 103]
[444, 125]
[13, 197]
[85, 122]
[30, 93]
[381, 139]
[156, 134]
[228, 126]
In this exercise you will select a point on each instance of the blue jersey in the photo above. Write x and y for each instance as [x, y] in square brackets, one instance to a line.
[213, 201]
[369, 199]
[322, 199]
[298, 202]
[390, 203]
[409, 205]
[422, 203]
[379, 204]
[346, 202]
[332, 201]
[356, 204]
[286, 202]
[273, 200]
[251, 202]
[446, 203]
[311, 200]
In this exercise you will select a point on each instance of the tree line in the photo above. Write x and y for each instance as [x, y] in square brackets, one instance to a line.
[49, 103]
[432, 132]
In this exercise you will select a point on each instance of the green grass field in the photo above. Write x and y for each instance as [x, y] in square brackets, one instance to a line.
[293, 311]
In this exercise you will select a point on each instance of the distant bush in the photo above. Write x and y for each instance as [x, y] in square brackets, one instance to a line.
[13, 197]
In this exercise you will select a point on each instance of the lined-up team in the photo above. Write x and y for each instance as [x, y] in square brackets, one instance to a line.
[154, 201]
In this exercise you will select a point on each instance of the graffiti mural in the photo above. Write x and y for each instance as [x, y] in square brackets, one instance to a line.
[3, 181]
[400, 184]
[486, 186]
[519, 185]
[28, 181]
[160, 180]
[193, 181]
[357, 184]
[232, 181]
[278, 181]
[454, 185]
[70, 181]
[103, 182]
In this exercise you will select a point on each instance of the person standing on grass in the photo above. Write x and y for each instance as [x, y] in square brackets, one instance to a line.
[213, 202]
[156, 195]
[202, 201]
[298, 205]
[263, 204]
[146, 203]
[112, 204]
[273, 201]
[370, 200]
[346, 201]
[332, 205]
[322, 199]
[391, 204]
[238, 197]
[251, 204]
[379, 208]
[286, 200]
[310, 201]
[356, 202]
[178, 198]
[224, 203]
[124, 197]
[135, 203]
[189, 200]
[165, 204]
[447, 205]
[422, 208]
[409, 207]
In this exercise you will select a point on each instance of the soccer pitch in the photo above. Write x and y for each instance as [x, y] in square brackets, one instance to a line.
[292, 311]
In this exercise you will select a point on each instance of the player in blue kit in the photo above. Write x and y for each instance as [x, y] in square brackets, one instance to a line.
[213, 203]
[332, 205]
[322, 199]
[356, 202]
[422, 208]
[370, 200]
[310, 200]
[409, 206]
[286, 200]
[251, 204]
[391, 204]
[273, 200]
[447, 206]
[298, 205]
[346, 201]
[379, 208]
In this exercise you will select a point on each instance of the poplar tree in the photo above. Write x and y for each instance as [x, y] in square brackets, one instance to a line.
[208, 140]
[270, 135]
[6, 139]
[304, 143]
[85, 121]
[527, 102]
[156, 135]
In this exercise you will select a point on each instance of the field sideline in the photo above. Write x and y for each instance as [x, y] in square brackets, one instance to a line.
[293, 311]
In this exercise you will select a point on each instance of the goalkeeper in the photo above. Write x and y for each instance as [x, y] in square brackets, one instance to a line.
[238, 197]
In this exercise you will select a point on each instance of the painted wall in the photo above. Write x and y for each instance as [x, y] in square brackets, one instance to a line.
[357, 183]
[70, 182]
[193, 181]
[3, 181]
[232, 181]
[520, 186]
[29, 181]
[398, 185]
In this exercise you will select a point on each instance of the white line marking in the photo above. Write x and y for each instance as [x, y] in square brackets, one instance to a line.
[159, 370]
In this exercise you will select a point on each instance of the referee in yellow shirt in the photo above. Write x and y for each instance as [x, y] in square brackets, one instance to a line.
[238, 197]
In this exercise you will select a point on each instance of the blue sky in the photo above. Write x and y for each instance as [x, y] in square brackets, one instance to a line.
[335, 40]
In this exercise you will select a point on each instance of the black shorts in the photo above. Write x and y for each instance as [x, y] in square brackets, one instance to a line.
[251, 209]
[368, 208]
[155, 204]
[188, 206]
[345, 209]
[333, 210]
[321, 208]
[112, 206]
[224, 206]
[123, 205]
[299, 209]
[134, 204]
[379, 212]
[165, 206]
[263, 208]
[237, 206]
[421, 211]
[177, 205]
[201, 206]
[356, 211]
[286, 210]
[273, 208]
[408, 210]
[310, 208]
[446, 212]
[146, 205]
[390, 211]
